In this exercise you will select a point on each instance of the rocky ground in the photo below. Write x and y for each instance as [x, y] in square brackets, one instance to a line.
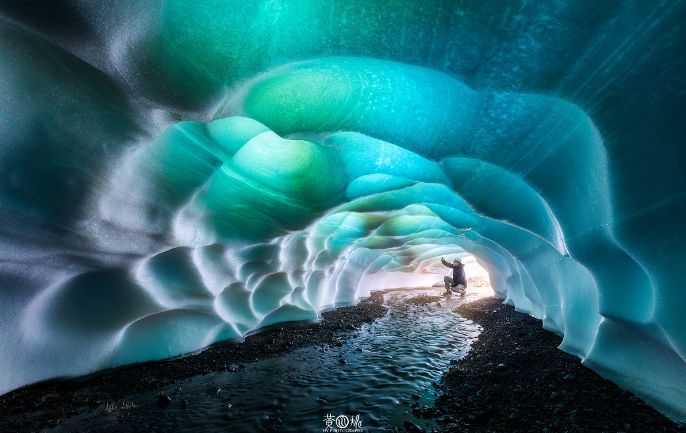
[424, 299]
[44, 405]
[515, 379]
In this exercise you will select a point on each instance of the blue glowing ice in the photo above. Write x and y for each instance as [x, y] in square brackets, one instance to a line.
[189, 174]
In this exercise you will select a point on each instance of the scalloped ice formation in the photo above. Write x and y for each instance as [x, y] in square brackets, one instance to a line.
[150, 210]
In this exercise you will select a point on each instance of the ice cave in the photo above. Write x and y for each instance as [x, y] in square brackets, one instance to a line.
[176, 174]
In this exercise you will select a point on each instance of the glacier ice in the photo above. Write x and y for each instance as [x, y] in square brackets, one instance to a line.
[177, 175]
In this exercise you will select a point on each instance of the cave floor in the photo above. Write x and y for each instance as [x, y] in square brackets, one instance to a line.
[48, 406]
[367, 360]
[399, 359]
[514, 379]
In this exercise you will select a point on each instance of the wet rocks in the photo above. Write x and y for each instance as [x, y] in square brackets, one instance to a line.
[163, 400]
[38, 406]
[515, 379]
[411, 427]
[423, 299]
[422, 411]
[272, 423]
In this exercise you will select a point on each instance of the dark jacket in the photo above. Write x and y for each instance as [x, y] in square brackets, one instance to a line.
[458, 273]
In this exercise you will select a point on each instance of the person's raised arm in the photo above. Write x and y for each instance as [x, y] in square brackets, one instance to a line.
[445, 263]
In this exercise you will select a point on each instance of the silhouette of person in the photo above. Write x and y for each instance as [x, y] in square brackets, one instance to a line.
[458, 282]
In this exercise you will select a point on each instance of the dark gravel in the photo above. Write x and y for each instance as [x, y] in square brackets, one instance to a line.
[424, 299]
[44, 405]
[515, 379]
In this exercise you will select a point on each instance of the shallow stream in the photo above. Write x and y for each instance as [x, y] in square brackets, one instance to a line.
[373, 374]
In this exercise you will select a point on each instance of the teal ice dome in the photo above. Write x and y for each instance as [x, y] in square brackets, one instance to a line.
[176, 174]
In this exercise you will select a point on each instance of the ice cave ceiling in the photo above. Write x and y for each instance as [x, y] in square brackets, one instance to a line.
[176, 173]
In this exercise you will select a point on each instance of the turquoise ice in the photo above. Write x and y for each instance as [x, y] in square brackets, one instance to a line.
[173, 175]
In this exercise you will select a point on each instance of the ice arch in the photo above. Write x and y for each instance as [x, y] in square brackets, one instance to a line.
[150, 210]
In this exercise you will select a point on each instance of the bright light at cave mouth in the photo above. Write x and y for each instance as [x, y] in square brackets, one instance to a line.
[431, 274]
[173, 176]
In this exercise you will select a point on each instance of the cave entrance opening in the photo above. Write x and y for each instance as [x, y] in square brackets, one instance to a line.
[430, 274]
[478, 278]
